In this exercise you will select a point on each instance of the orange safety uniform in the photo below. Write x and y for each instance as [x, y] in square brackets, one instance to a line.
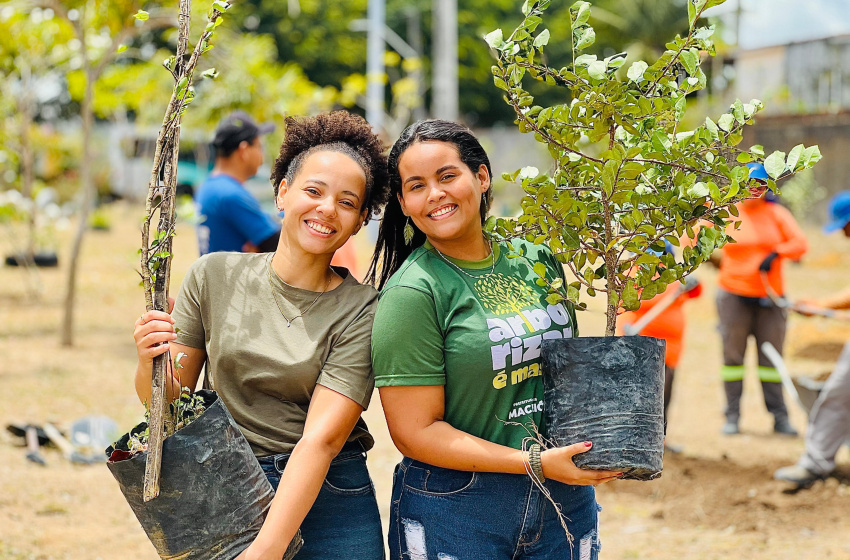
[346, 256]
[669, 325]
[765, 228]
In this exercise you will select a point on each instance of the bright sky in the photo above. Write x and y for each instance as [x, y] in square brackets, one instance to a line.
[773, 22]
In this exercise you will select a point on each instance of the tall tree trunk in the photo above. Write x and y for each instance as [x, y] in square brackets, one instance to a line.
[87, 190]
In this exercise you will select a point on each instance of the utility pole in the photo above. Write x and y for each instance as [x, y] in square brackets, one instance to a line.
[414, 39]
[445, 67]
[375, 64]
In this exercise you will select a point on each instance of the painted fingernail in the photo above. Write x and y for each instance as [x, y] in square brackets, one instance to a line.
[587, 444]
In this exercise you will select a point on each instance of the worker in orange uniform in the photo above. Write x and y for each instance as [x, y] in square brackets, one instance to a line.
[750, 281]
[668, 325]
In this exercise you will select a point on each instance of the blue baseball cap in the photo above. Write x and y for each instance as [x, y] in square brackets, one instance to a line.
[839, 212]
[757, 171]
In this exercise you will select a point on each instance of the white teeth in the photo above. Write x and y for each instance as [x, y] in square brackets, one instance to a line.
[320, 228]
[441, 211]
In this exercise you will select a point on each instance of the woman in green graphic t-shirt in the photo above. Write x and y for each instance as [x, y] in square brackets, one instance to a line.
[286, 340]
[456, 354]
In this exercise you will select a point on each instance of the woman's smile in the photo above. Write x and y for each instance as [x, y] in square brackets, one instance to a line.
[320, 228]
[442, 212]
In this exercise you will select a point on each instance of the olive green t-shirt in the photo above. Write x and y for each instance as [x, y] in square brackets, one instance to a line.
[264, 371]
[478, 334]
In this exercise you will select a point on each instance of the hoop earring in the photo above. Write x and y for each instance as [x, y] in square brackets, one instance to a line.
[408, 232]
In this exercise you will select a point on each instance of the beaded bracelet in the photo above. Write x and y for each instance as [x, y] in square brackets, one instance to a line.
[534, 461]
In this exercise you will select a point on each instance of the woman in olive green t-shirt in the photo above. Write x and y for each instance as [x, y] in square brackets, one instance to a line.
[286, 339]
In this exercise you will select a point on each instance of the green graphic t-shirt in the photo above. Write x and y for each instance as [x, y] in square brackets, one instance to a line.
[476, 332]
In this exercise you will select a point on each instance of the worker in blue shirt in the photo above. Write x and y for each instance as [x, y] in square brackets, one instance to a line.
[231, 218]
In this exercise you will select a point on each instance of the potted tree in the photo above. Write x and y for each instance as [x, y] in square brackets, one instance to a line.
[187, 472]
[626, 178]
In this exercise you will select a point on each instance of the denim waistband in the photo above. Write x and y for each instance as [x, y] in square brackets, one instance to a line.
[349, 450]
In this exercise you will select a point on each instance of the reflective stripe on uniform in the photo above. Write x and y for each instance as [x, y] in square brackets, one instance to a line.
[769, 374]
[732, 373]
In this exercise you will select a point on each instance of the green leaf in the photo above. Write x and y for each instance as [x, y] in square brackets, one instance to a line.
[142, 15]
[636, 71]
[689, 61]
[744, 157]
[540, 269]
[542, 39]
[585, 59]
[661, 141]
[529, 172]
[774, 164]
[712, 128]
[681, 105]
[585, 37]
[794, 157]
[698, 190]
[221, 6]
[210, 73]
[738, 111]
[811, 156]
[581, 14]
[630, 297]
[495, 39]
[726, 122]
[609, 173]
[596, 69]
[570, 238]
[121, 48]
[554, 299]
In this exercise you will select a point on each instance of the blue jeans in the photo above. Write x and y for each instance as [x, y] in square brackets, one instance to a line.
[343, 523]
[443, 514]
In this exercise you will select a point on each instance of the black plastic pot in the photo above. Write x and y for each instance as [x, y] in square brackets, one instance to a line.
[213, 494]
[44, 259]
[610, 391]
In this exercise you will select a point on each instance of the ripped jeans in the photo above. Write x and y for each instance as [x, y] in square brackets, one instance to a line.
[344, 522]
[444, 514]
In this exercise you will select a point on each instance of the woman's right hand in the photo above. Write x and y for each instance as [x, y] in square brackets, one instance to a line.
[153, 331]
[558, 465]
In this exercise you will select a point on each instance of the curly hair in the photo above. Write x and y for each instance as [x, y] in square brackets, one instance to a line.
[342, 132]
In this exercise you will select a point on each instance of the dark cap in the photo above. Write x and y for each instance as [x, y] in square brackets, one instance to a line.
[237, 128]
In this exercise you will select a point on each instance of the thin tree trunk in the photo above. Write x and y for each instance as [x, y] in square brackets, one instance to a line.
[87, 190]
[610, 259]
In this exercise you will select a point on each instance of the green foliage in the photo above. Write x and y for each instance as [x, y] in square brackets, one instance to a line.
[626, 178]
[183, 410]
[317, 34]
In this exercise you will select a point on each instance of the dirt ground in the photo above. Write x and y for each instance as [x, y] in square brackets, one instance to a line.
[715, 500]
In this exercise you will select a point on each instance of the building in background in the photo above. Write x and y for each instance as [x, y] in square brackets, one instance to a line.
[795, 56]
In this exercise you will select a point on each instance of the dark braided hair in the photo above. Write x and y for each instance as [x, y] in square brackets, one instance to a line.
[390, 249]
[341, 132]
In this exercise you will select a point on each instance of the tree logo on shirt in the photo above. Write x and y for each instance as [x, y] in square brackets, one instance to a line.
[504, 294]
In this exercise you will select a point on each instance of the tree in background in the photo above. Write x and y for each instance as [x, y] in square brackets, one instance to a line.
[101, 28]
[318, 36]
[32, 45]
